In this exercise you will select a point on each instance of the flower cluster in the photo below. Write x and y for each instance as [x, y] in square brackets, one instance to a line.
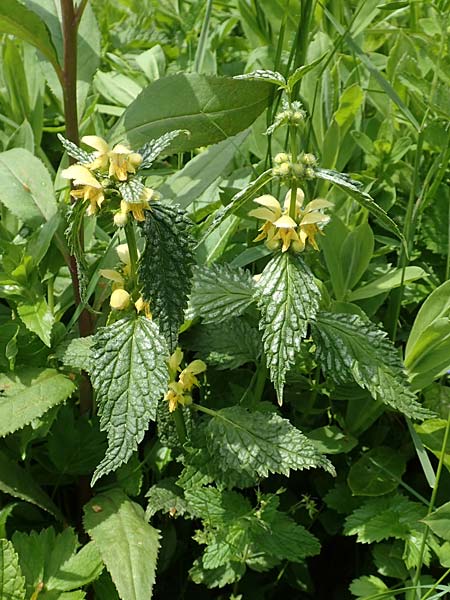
[281, 230]
[120, 298]
[303, 168]
[182, 381]
[291, 114]
[105, 170]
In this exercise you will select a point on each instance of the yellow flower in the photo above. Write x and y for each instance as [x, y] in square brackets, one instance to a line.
[120, 299]
[137, 208]
[179, 391]
[142, 306]
[174, 362]
[188, 377]
[175, 395]
[91, 190]
[119, 160]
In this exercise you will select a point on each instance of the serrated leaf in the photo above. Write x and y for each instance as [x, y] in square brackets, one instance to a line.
[264, 75]
[151, 150]
[439, 521]
[354, 189]
[38, 318]
[165, 496]
[384, 518]
[76, 353]
[299, 73]
[12, 582]
[127, 543]
[288, 298]
[165, 267]
[81, 156]
[132, 190]
[17, 482]
[129, 375]
[238, 201]
[369, 585]
[350, 347]
[220, 292]
[256, 444]
[377, 472]
[26, 395]
[227, 345]
[78, 570]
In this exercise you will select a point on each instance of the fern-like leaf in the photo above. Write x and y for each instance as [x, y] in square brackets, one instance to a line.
[151, 150]
[129, 374]
[165, 268]
[352, 348]
[288, 298]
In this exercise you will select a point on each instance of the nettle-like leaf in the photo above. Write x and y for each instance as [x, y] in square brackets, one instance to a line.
[265, 75]
[12, 582]
[129, 374]
[165, 496]
[220, 292]
[81, 156]
[165, 267]
[352, 348]
[227, 345]
[28, 394]
[131, 190]
[75, 220]
[256, 444]
[152, 149]
[51, 560]
[76, 353]
[127, 543]
[288, 298]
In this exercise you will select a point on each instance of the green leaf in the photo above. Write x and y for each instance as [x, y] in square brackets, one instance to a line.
[431, 432]
[256, 444]
[238, 201]
[385, 283]
[131, 190]
[353, 189]
[265, 75]
[76, 353]
[220, 292]
[299, 73]
[288, 298]
[383, 518]
[151, 150]
[17, 20]
[355, 255]
[211, 108]
[25, 187]
[227, 345]
[332, 440]
[81, 156]
[368, 586]
[377, 472]
[165, 496]
[129, 375]
[38, 318]
[127, 543]
[12, 582]
[188, 184]
[439, 521]
[50, 560]
[165, 268]
[349, 104]
[26, 395]
[350, 347]
[17, 482]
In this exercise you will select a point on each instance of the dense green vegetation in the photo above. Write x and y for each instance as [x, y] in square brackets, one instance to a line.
[224, 299]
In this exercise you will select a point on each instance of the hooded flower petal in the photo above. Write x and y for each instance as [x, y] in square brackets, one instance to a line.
[81, 176]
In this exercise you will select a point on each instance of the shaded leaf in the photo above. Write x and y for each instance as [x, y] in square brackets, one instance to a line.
[12, 582]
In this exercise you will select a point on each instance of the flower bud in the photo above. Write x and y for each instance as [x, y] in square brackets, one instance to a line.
[120, 219]
[309, 159]
[281, 157]
[310, 173]
[298, 116]
[283, 169]
[120, 299]
[123, 253]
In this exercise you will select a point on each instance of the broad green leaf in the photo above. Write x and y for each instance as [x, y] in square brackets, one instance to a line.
[117, 88]
[220, 292]
[436, 306]
[25, 187]
[38, 318]
[129, 375]
[12, 582]
[385, 283]
[368, 586]
[356, 254]
[388, 558]
[256, 444]
[25, 24]
[299, 73]
[377, 472]
[439, 521]
[238, 201]
[127, 544]
[383, 518]
[211, 108]
[332, 440]
[76, 353]
[212, 247]
[185, 186]
[165, 496]
[431, 432]
[349, 104]
[353, 189]
[352, 348]
[227, 345]
[49, 559]
[288, 298]
[165, 267]
[17, 482]
[28, 394]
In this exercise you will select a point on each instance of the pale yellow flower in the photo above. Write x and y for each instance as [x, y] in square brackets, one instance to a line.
[179, 392]
[90, 189]
[120, 299]
[188, 377]
[137, 208]
[175, 395]
[142, 306]
[120, 160]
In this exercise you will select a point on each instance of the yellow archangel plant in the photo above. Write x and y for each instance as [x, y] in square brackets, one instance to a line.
[281, 230]
[182, 381]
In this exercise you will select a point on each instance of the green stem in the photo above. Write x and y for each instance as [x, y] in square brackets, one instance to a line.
[50, 294]
[430, 508]
[204, 409]
[431, 590]
[180, 425]
[201, 49]
[293, 149]
[130, 234]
